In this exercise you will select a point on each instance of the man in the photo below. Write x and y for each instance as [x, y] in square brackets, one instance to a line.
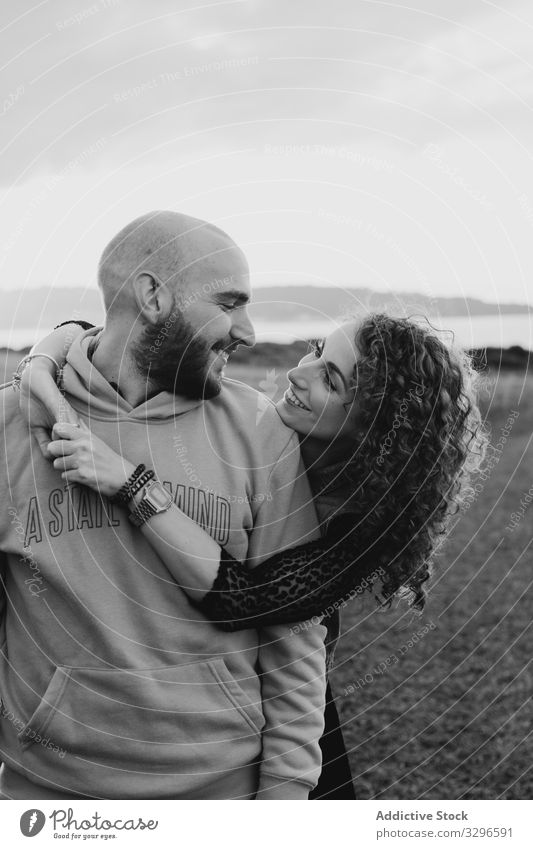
[112, 684]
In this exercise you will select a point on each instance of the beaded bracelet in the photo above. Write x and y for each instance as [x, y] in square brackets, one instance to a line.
[122, 496]
[17, 375]
[146, 476]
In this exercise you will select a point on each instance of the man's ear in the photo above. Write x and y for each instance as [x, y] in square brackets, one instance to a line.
[154, 300]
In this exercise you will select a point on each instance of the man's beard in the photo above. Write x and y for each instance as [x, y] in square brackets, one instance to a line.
[175, 359]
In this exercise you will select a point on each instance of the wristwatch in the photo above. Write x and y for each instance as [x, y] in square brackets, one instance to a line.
[155, 499]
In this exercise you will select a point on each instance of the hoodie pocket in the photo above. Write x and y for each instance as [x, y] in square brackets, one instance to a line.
[151, 732]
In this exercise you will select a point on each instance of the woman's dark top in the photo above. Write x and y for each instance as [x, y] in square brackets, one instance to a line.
[294, 585]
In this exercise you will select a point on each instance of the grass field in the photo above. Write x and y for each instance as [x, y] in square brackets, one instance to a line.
[448, 715]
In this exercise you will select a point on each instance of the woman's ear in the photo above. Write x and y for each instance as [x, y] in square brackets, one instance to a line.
[153, 298]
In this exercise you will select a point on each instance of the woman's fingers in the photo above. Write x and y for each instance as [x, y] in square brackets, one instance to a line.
[42, 435]
[61, 448]
[67, 430]
[66, 464]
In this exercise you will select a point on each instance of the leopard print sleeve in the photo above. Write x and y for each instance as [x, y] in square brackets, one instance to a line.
[292, 586]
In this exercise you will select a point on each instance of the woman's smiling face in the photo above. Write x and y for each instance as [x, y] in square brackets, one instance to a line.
[319, 400]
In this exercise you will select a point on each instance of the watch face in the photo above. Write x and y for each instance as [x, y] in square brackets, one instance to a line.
[159, 496]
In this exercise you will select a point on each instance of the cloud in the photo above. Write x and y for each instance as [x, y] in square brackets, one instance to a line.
[135, 74]
[126, 105]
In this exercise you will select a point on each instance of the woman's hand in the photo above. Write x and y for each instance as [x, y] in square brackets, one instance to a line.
[86, 459]
[42, 404]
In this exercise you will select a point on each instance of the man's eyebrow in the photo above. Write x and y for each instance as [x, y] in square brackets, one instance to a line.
[232, 295]
[332, 367]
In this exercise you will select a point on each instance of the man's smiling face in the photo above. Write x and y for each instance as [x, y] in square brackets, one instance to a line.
[187, 352]
[214, 303]
[185, 284]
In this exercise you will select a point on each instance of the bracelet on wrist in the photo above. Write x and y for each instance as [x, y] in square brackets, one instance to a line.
[122, 496]
[17, 374]
[140, 483]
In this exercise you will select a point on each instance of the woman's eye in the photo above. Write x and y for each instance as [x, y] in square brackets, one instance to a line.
[318, 350]
[327, 379]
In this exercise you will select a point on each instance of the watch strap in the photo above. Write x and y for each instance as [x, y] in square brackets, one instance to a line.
[142, 513]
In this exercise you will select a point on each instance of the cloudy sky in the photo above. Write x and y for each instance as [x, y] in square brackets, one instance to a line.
[353, 142]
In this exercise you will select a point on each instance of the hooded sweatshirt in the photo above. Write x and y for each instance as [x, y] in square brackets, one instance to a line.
[112, 684]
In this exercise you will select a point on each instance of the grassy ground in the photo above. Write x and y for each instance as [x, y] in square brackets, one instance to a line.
[447, 715]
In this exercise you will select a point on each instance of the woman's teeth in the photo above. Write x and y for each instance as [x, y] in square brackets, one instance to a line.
[291, 398]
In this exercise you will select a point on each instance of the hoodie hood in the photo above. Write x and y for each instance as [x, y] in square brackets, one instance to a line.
[91, 394]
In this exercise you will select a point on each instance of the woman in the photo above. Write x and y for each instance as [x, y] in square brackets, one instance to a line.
[390, 432]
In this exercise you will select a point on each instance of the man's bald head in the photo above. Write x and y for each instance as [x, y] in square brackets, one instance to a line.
[176, 291]
[167, 244]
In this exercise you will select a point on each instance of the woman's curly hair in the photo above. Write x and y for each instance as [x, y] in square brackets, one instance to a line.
[419, 439]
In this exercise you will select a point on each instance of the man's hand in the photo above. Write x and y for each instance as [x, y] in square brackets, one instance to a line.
[42, 404]
[86, 459]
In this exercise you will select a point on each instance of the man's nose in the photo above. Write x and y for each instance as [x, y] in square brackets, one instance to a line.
[242, 330]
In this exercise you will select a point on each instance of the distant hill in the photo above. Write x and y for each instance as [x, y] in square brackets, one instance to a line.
[46, 307]
[287, 303]
[279, 356]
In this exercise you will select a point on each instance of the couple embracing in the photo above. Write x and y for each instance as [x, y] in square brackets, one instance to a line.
[184, 529]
